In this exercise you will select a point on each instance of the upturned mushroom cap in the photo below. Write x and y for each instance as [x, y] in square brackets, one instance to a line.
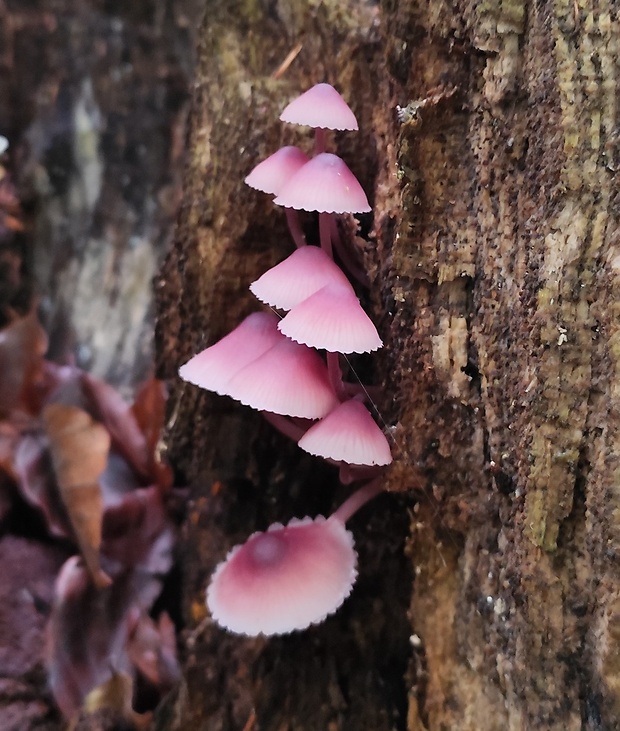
[284, 579]
[348, 434]
[288, 379]
[332, 319]
[324, 184]
[271, 174]
[321, 106]
[298, 277]
[216, 365]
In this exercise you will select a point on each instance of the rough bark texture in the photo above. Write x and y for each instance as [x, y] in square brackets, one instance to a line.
[495, 281]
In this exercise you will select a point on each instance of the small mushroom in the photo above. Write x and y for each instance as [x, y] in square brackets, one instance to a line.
[284, 579]
[322, 107]
[288, 379]
[332, 319]
[324, 184]
[271, 174]
[348, 434]
[213, 367]
[298, 277]
[289, 577]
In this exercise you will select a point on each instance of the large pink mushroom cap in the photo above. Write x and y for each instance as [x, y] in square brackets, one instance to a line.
[320, 106]
[288, 379]
[324, 184]
[284, 579]
[298, 277]
[348, 434]
[271, 174]
[332, 319]
[214, 367]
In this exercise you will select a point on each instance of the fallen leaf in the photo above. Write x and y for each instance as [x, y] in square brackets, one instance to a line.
[152, 649]
[22, 346]
[79, 447]
[149, 410]
[33, 469]
[137, 534]
[86, 635]
[108, 407]
[88, 631]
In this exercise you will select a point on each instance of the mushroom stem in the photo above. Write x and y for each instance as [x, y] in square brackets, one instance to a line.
[370, 393]
[319, 140]
[346, 258]
[284, 425]
[350, 473]
[335, 373]
[292, 219]
[325, 228]
[359, 498]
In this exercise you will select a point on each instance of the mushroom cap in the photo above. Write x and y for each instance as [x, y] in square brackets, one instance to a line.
[288, 379]
[324, 184]
[320, 106]
[213, 367]
[284, 579]
[332, 319]
[272, 173]
[348, 434]
[298, 277]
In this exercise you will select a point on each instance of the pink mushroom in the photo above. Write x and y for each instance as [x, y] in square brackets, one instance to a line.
[284, 579]
[348, 434]
[324, 184]
[288, 577]
[332, 319]
[271, 174]
[321, 106]
[288, 379]
[215, 366]
[298, 277]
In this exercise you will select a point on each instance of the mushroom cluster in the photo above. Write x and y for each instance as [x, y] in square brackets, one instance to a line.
[295, 575]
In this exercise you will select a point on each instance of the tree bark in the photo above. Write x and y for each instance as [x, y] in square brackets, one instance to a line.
[492, 257]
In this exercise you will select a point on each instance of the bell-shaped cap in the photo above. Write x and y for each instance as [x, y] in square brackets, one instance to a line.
[298, 277]
[215, 366]
[271, 174]
[321, 106]
[288, 379]
[284, 579]
[324, 184]
[348, 434]
[332, 319]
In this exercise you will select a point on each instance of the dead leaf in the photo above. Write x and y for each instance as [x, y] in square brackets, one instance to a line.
[86, 634]
[79, 447]
[107, 405]
[34, 473]
[22, 346]
[152, 649]
[88, 631]
[149, 410]
[137, 533]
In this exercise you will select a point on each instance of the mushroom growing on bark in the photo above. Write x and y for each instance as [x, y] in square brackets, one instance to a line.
[288, 577]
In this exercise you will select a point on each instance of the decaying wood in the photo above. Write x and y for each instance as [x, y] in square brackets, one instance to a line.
[494, 266]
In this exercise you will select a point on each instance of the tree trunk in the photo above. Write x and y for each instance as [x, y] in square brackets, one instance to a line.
[488, 596]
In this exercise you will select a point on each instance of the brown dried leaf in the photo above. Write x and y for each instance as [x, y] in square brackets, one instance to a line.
[107, 405]
[79, 447]
[149, 410]
[22, 345]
